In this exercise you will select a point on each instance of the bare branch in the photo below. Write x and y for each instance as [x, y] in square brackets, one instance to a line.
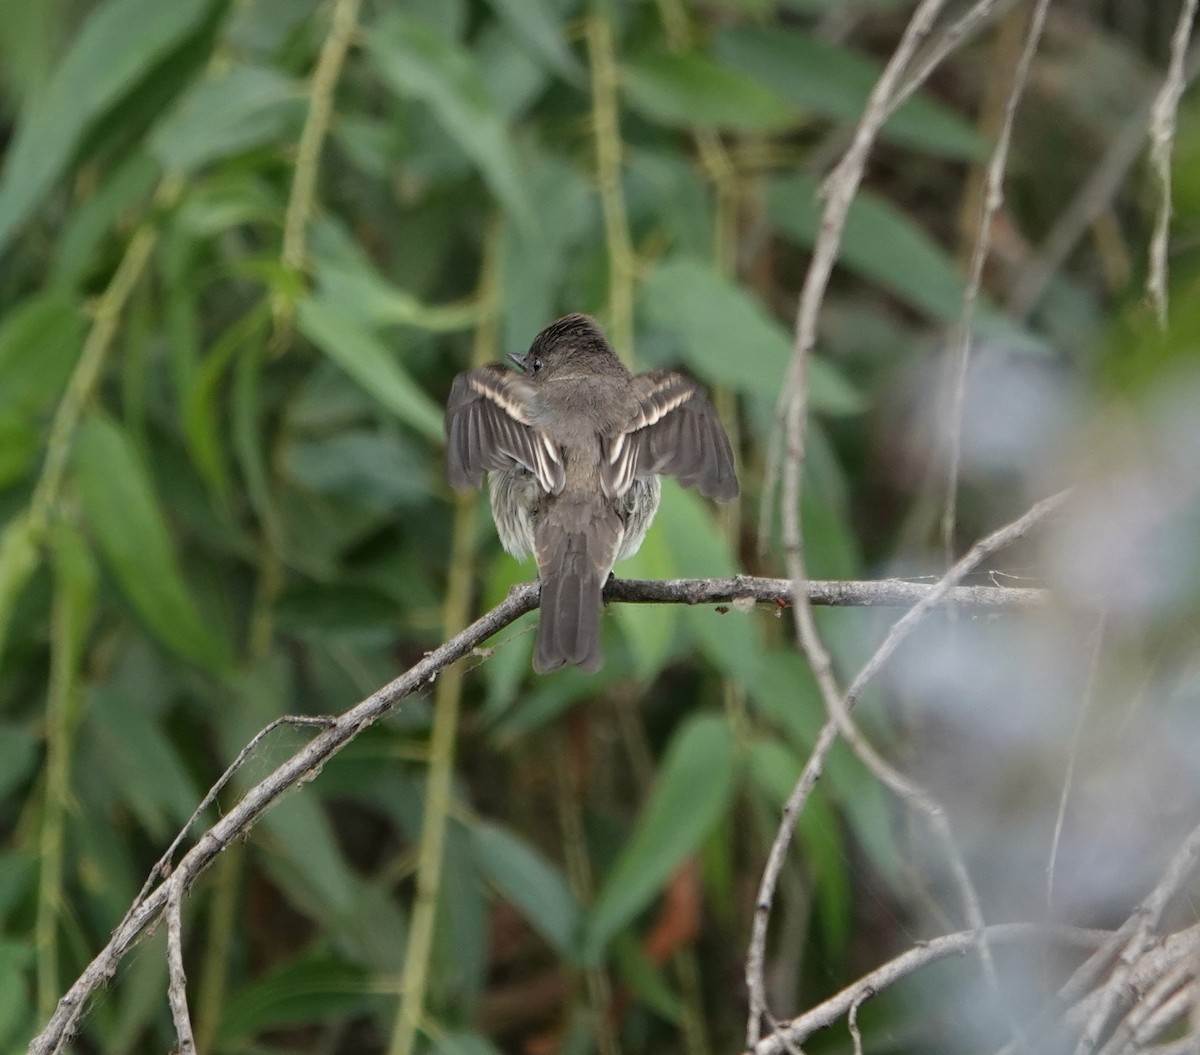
[1162, 137]
[853, 996]
[878, 593]
[1145, 921]
[177, 986]
[1085, 707]
[1096, 195]
[993, 199]
[839, 709]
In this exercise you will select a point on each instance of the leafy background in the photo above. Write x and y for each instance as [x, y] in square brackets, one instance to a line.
[222, 499]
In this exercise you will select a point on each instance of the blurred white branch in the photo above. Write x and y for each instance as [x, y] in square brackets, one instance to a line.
[993, 199]
[826, 1013]
[1162, 139]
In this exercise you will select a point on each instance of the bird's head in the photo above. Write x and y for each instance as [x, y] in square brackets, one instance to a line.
[573, 347]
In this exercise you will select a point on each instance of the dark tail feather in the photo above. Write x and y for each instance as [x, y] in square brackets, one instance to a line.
[569, 628]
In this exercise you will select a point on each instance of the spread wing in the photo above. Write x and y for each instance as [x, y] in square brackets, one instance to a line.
[487, 428]
[676, 433]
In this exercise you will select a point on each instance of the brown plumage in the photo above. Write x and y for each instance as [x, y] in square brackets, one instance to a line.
[573, 447]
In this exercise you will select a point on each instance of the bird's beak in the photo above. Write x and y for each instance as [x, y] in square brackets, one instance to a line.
[518, 361]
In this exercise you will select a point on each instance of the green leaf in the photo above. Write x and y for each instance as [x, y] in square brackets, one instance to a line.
[19, 750]
[202, 410]
[89, 223]
[645, 978]
[372, 469]
[16, 1003]
[418, 61]
[19, 447]
[460, 956]
[308, 990]
[40, 340]
[141, 762]
[245, 107]
[18, 562]
[119, 42]
[535, 23]
[529, 882]
[346, 277]
[75, 598]
[535, 259]
[727, 337]
[463, 1044]
[694, 91]
[365, 358]
[121, 506]
[833, 82]
[880, 244]
[691, 794]
[689, 527]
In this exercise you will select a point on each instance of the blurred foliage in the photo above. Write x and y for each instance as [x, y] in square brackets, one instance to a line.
[222, 500]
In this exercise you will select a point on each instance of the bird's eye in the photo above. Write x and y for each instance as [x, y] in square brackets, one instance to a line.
[537, 365]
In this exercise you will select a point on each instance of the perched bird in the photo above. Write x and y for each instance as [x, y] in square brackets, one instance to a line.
[573, 445]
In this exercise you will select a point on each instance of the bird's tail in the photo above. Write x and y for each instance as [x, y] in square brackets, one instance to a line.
[572, 580]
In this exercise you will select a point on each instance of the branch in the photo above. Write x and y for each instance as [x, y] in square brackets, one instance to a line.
[1162, 139]
[878, 593]
[839, 707]
[853, 996]
[993, 200]
[338, 731]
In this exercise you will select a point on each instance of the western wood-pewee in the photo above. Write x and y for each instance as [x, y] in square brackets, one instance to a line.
[573, 446]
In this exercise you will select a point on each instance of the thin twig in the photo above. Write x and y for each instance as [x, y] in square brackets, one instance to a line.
[813, 768]
[908, 963]
[1162, 139]
[1145, 921]
[177, 984]
[1085, 707]
[162, 867]
[1090, 201]
[993, 199]
[839, 191]
[977, 17]
[852, 1020]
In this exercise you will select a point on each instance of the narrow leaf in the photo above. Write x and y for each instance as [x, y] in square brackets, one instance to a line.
[530, 883]
[121, 506]
[365, 358]
[311, 989]
[536, 24]
[18, 562]
[728, 337]
[693, 91]
[40, 339]
[418, 61]
[834, 82]
[119, 42]
[244, 108]
[880, 244]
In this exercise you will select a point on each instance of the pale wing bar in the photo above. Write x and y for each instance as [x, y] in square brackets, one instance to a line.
[487, 428]
[676, 433]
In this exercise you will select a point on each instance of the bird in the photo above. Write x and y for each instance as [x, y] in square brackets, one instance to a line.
[573, 445]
